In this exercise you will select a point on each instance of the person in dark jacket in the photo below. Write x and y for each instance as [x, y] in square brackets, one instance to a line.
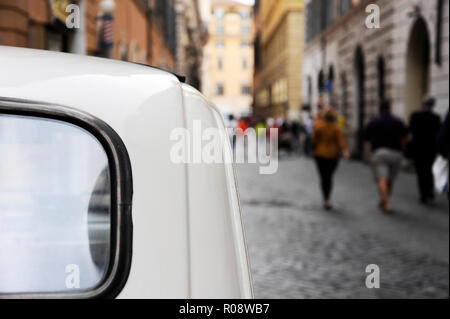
[443, 141]
[387, 135]
[424, 126]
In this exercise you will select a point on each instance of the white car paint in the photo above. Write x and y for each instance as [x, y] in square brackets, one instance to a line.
[188, 237]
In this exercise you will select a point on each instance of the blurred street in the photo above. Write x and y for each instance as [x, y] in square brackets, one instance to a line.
[299, 250]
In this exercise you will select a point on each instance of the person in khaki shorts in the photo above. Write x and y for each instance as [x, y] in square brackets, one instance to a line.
[388, 136]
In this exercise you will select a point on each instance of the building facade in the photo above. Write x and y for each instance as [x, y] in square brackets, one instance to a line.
[354, 65]
[37, 24]
[162, 34]
[278, 41]
[140, 31]
[229, 56]
[191, 38]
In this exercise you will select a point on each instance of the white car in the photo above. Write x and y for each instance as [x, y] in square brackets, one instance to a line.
[91, 204]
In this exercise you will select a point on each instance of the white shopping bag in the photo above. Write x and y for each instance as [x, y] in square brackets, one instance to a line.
[440, 172]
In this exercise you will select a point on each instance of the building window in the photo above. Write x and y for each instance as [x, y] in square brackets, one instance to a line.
[220, 63]
[220, 29]
[220, 44]
[263, 98]
[219, 13]
[164, 16]
[245, 14]
[244, 63]
[344, 6]
[245, 90]
[279, 92]
[320, 82]
[245, 44]
[245, 29]
[220, 90]
[257, 52]
[320, 14]
[330, 83]
[330, 12]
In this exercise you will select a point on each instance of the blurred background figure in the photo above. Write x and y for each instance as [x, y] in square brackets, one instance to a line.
[443, 139]
[387, 135]
[232, 121]
[296, 136]
[444, 144]
[308, 128]
[341, 121]
[286, 137]
[329, 146]
[320, 109]
[261, 132]
[231, 125]
[272, 134]
[424, 126]
[243, 125]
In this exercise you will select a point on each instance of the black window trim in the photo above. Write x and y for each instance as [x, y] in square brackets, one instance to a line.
[117, 272]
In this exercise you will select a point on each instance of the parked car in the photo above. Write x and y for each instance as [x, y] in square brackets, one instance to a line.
[91, 204]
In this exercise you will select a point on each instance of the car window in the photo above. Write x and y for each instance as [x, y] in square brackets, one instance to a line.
[55, 197]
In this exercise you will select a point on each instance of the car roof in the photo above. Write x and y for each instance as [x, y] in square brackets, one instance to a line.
[108, 89]
[76, 63]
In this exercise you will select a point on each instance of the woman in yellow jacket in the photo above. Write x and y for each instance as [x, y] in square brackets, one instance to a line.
[329, 145]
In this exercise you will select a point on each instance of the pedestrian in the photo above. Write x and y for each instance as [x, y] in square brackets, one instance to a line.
[424, 127]
[296, 135]
[285, 138]
[387, 135]
[329, 146]
[232, 121]
[242, 126]
[443, 139]
[320, 110]
[309, 130]
[443, 143]
[260, 128]
[231, 124]
[272, 136]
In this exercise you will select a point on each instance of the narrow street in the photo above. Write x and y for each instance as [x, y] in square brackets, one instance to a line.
[298, 250]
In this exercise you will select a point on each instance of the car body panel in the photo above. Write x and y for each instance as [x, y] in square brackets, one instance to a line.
[214, 213]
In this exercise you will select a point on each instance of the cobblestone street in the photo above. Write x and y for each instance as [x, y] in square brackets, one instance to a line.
[298, 250]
